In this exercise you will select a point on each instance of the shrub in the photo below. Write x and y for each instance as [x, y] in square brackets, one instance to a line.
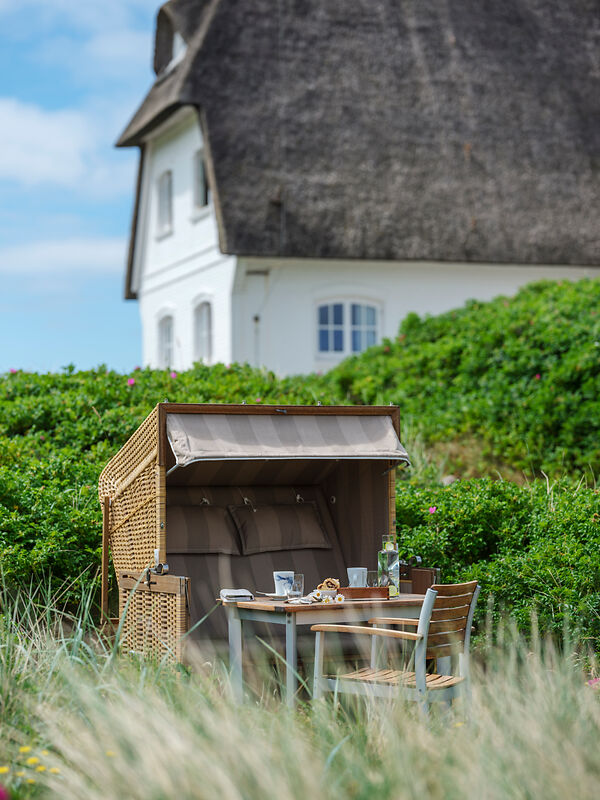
[522, 374]
[532, 548]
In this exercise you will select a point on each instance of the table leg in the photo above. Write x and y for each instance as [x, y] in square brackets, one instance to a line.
[291, 659]
[234, 626]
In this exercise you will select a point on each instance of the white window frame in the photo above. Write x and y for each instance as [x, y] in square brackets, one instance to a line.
[347, 326]
[164, 204]
[165, 350]
[207, 336]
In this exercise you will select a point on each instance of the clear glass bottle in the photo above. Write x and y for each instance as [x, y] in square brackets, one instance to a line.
[388, 565]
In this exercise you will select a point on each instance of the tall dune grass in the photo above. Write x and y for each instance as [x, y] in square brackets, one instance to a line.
[119, 728]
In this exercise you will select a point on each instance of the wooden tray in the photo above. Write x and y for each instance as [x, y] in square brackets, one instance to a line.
[365, 592]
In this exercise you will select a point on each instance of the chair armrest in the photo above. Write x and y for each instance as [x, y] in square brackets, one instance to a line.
[364, 631]
[393, 621]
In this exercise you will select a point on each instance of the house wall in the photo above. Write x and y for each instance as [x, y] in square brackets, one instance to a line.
[284, 295]
[174, 272]
[265, 310]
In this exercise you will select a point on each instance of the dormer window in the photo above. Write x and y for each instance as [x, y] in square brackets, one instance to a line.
[170, 46]
[201, 192]
[164, 219]
[178, 49]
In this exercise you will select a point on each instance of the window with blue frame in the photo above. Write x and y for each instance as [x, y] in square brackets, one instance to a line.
[346, 327]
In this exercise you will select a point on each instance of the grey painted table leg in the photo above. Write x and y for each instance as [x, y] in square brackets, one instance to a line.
[291, 659]
[234, 626]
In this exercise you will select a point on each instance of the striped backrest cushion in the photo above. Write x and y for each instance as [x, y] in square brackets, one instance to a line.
[295, 526]
[201, 529]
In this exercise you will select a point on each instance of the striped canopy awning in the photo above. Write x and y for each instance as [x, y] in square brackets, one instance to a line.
[237, 437]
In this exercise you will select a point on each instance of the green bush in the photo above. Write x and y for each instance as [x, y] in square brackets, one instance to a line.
[57, 432]
[520, 375]
[532, 548]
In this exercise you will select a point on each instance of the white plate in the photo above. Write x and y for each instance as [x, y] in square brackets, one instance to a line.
[275, 596]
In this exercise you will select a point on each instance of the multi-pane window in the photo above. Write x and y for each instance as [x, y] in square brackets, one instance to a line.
[165, 342]
[201, 193]
[346, 327]
[203, 333]
[164, 221]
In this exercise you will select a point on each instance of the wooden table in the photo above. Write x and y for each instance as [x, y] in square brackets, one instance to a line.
[276, 612]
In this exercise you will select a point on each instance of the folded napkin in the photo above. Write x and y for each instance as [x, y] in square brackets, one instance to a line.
[296, 601]
[236, 594]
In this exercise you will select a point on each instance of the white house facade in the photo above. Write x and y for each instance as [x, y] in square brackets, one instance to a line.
[182, 280]
[230, 262]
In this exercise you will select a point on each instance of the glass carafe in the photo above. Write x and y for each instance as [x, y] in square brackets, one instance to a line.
[388, 566]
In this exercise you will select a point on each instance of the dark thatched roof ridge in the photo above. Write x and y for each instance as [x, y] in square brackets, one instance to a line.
[395, 129]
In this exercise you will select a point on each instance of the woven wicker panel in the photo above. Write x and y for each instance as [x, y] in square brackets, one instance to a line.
[155, 623]
[132, 531]
[135, 450]
[131, 480]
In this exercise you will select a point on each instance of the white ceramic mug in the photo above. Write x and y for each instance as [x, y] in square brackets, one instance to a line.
[283, 581]
[357, 576]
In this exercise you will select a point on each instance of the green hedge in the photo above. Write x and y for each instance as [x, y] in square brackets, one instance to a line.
[57, 432]
[520, 374]
[533, 548]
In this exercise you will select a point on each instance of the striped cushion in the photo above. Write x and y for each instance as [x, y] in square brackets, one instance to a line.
[296, 526]
[201, 529]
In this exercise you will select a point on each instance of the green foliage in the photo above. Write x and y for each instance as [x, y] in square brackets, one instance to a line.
[57, 432]
[534, 548]
[520, 375]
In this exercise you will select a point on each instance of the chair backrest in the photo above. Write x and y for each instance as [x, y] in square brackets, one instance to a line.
[451, 619]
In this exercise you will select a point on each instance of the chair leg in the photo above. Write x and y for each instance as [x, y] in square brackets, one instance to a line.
[420, 676]
[318, 676]
[465, 672]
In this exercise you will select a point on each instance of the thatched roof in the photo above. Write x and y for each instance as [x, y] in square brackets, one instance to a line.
[394, 129]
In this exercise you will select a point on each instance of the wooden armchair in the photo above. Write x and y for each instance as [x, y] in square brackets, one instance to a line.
[443, 632]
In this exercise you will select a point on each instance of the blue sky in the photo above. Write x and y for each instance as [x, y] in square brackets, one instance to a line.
[73, 72]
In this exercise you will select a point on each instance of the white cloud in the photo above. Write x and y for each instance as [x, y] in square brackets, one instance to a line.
[39, 146]
[70, 148]
[59, 257]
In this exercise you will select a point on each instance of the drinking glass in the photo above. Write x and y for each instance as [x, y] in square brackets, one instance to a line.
[297, 589]
[372, 578]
